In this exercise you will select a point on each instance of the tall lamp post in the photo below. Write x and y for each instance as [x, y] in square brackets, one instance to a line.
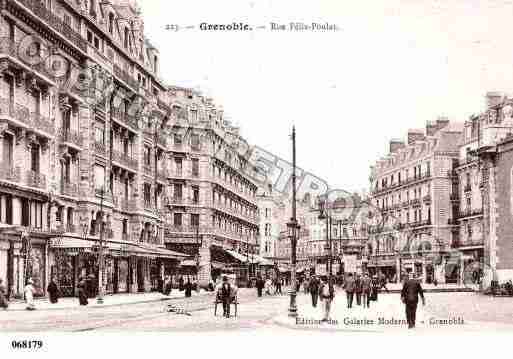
[99, 299]
[293, 229]
[323, 215]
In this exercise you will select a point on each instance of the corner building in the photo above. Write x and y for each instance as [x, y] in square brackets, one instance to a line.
[70, 164]
[413, 188]
[211, 195]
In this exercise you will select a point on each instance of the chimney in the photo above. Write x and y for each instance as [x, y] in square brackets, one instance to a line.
[493, 98]
[396, 145]
[415, 135]
[431, 128]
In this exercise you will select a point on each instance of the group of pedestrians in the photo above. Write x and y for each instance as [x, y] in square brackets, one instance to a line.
[366, 289]
[268, 286]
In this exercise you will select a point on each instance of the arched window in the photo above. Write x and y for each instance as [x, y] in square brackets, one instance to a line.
[111, 23]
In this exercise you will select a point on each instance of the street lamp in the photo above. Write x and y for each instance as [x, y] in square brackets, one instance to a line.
[323, 215]
[293, 228]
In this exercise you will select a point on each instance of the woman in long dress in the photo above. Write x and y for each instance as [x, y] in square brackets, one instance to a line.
[53, 291]
[29, 295]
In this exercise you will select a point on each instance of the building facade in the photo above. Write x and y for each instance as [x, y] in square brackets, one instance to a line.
[211, 194]
[81, 164]
[413, 190]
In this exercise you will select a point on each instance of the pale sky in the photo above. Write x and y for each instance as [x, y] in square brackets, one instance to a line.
[393, 66]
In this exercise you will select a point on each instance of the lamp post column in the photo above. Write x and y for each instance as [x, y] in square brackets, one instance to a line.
[293, 231]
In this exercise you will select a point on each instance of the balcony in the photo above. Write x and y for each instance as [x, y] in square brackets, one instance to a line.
[126, 119]
[427, 199]
[24, 60]
[100, 149]
[467, 243]
[234, 212]
[415, 202]
[124, 160]
[71, 138]
[10, 173]
[125, 204]
[423, 223]
[126, 77]
[36, 179]
[41, 12]
[470, 213]
[41, 125]
[175, 174]
[69, 189]
[15, 113]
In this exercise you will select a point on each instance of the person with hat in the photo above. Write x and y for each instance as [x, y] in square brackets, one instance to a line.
[226, 296]
[410, 297]
[82, 291]
[29, 294]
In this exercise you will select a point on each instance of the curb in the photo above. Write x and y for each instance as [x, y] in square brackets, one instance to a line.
[155, 300]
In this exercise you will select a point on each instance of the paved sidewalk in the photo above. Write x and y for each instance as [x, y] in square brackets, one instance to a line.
[387, 314]
[108, 300]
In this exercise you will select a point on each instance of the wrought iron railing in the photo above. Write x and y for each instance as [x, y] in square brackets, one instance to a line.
[36, 179]
[124, 159]
[70, 136]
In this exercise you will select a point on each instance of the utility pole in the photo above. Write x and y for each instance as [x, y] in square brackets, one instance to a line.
[293, 227]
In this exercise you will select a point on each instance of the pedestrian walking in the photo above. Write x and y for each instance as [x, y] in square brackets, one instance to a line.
[181, 284]
[358, 289]
[82, 291]
[327, 294]
[278, 286]
[374, 288]
[226, 297]
[383, 281]
[268, 286]
[260, 285]
[4, 304]
[29, 291]
[306, 283]
[366, 290]
[168, 285]
[349, 288]
[188, 288]
[313, 287]
[410, 297]
[53, 291]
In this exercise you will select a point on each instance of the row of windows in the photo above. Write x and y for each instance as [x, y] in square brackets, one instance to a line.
[404, 175]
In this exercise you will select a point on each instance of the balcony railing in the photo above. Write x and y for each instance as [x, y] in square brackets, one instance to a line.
[36, 179]
[415, 202]
[470, 213]
[467, 243]
[427, 199]
[124, 159]
[69, 136]
[41, 123]
[100, 148]
[127, 119]
[69, 189]
[125, 76]
[125, 204]
[55, 22]
[455, 197]
[10, 173]
[402, 183]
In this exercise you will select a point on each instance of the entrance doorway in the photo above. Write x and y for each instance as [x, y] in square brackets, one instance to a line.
[140, 275]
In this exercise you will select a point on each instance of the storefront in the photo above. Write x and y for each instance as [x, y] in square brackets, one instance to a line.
[127, 267]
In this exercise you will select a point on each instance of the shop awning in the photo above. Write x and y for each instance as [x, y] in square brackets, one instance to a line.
[238, 256]
[116, 248]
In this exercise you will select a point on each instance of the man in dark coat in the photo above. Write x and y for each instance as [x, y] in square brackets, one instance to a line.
[226, 296]
[188, 288]
[349, 287]
[358, 289]
[260, 285]
[410, 297]
[82, 292]
[53, 291]
[366, 290]
[313, 288]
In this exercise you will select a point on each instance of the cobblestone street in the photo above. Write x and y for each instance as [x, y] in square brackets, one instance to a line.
[476, 311]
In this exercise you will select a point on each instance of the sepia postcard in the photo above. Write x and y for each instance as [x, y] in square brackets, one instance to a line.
[255, 166]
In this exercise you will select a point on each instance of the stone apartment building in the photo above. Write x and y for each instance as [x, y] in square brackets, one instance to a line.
[413, 190]
[348, 222]
[76, 167]
[212, 191]
[271, 217]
